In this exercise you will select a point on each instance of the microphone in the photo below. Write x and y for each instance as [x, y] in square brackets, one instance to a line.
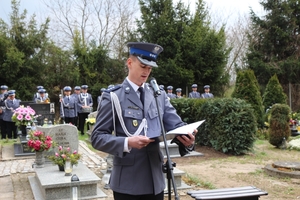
[155, 87]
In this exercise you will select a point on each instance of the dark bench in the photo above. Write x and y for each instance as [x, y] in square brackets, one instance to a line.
[242, 193]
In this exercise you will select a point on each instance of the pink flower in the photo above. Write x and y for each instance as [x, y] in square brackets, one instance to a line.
[56, 154]
[63, 155]
[75, 152]
[60, 148]
[37, 133]
[28, 117]
[20, 117]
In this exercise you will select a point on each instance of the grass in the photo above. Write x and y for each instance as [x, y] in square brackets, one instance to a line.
[189, 179]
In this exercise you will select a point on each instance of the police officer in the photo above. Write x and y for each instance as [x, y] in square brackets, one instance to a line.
[99, 97]
[207, 93]
[85, 102]
[11, 103]
[194, 93]
[76, 94]
[42, 97]
[170, 92]
[178, 93]
[3, 96]
[162, 87]
[68, 110]
[137, 171]
[37, 95]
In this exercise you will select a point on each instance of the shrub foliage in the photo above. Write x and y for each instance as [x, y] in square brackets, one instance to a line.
[230, 125]
[279, 124]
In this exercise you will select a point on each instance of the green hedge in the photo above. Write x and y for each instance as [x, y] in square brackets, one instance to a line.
[230, 124]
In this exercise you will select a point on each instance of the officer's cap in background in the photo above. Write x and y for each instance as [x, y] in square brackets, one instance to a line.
[39, 87]
[170, 87]
[145, 52]
[42, 90]
[178, 90]
[194, 86]
[161, 87]
[67, 88]
[77, 88]
[206, 86]
[102, 89]
[84, 87]
[3, 87]
[11, 92]
[110, 86]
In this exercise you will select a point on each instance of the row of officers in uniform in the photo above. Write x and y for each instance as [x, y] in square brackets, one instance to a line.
[74, 107]
[194, 94]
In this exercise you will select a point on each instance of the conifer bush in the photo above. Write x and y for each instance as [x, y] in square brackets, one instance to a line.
[230, 125]
[279, 124]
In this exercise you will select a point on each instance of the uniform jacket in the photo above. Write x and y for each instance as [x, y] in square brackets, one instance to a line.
[194, 95]
[171, 95]
[70, 107]
[2, 107]
[81, 101]
[76, 99]
[11, 105]
[207, 95]
[140, 171]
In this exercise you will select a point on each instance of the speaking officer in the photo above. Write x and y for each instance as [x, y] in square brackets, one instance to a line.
[3, 96]
[194, 94]
[137, 170]
[206, 93]
[11, 103]
[68, 110]
[85, 102]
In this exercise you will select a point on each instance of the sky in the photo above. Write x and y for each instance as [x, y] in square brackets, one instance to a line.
[225, 9]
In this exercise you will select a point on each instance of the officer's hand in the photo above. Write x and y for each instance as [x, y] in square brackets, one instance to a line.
[189, 139]
[139, 141]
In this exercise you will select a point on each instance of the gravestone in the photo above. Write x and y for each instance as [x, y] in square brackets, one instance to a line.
[65, 135]
[44, 110]
[91, 127]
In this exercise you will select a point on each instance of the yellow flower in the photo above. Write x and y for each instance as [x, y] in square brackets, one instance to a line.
[90, 121]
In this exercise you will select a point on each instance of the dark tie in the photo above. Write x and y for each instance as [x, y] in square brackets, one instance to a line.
[142, 94]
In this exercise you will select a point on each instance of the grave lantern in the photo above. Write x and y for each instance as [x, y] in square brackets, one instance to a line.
[75, 187]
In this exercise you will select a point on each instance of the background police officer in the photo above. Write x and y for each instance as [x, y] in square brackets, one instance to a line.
[85, 102]
[3, 97]
[178, 93]
[11, 103]
[76, 96]
[170, 92]
[194, 93]
[207, 93]
[68, 110]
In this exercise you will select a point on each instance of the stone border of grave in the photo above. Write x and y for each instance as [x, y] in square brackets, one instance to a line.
[283, 169]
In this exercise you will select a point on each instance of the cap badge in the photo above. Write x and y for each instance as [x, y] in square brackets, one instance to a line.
[156, 49]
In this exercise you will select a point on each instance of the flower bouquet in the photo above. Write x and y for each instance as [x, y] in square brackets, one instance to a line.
[23, 115]
[38, 141]
[64, 154]
[90, 121]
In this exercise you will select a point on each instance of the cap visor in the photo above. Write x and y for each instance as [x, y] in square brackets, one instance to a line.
[147, 62]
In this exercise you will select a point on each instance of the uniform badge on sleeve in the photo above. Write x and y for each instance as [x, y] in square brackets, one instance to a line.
[135, 123]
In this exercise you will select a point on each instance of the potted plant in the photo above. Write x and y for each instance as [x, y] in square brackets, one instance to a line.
[63, 154]
[39, 143]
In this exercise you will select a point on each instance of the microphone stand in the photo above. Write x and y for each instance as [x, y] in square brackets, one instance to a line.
[168, 166]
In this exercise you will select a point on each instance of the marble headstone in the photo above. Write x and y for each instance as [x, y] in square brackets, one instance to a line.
[65, 135]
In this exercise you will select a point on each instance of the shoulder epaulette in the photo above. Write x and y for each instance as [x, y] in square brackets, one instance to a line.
[116, 87]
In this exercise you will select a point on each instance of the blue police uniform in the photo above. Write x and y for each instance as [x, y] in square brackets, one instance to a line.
[42, 98]
[68, 110]
[84, 99]
[76, 96]
[3, 96]
[207, 95]
[178, 93]
[170, 94]
[11, 105]
[194, 94]
[138, 172]
[36, 95]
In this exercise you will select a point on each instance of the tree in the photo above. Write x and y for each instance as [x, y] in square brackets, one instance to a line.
[274, 93]
[22, 52]
[274, 42]
[193, 52]
[246, 88]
